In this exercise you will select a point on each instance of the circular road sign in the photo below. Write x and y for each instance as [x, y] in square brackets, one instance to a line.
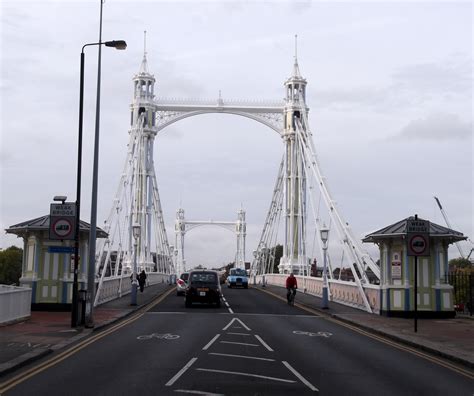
[418, 244]
[62, 228]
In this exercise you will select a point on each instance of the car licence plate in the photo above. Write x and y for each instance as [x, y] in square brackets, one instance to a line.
[202, 294]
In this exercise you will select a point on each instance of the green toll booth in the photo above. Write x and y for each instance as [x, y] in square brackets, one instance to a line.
[397, 270]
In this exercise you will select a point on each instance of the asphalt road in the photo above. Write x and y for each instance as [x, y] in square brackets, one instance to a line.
[255, 344]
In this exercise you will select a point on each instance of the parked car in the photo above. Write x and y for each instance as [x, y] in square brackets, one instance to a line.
[203, 287]
[181, 284]
[238, 278]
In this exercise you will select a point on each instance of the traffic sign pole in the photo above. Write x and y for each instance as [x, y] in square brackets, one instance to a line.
[418, 244]
[415, 301]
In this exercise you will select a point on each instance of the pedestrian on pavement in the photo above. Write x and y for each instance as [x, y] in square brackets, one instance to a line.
[141, 280]
[291, 286]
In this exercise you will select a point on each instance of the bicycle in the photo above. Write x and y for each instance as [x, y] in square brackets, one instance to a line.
[290, 295]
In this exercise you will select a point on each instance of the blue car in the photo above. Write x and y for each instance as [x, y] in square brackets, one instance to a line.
[237, 278]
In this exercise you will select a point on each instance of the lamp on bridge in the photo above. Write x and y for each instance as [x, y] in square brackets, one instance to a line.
[121, 45]
[136, 229]
[324, 231]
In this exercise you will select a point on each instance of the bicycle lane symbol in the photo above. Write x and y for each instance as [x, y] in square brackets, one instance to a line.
[323, 334]
[158, 336]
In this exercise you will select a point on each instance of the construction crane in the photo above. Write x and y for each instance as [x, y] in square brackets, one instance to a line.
[449, 225]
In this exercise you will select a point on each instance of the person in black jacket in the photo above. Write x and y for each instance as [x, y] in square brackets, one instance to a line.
[141, 280]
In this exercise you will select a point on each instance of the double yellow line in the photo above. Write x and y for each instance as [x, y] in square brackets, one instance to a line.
[465, 372]
[18, 379]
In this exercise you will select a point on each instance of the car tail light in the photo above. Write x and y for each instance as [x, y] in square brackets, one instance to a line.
[180, 282]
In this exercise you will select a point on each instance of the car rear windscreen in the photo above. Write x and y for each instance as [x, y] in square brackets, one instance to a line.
[204, 277]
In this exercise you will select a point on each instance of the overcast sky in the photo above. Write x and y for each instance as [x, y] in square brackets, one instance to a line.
[389, 91]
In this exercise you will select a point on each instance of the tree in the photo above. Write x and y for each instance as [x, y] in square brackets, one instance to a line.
[10, 265]
[459, 263]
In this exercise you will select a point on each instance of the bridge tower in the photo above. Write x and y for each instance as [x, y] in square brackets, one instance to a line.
[135, 225]
[142, 118]
[294, 248]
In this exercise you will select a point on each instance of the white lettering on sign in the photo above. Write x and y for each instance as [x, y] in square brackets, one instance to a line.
[63, 210]
[419, 226]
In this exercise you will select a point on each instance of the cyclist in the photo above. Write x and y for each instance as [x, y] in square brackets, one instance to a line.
[291, 286]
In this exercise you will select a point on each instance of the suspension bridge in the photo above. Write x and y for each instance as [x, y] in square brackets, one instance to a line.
[301, 204]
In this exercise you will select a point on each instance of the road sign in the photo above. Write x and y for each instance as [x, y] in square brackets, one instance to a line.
[62, 220]
[60, 249]
[418, 237]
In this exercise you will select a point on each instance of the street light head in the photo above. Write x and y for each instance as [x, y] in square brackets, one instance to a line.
[324, 233]
[136, 228]
[117, 44]
[60, 198]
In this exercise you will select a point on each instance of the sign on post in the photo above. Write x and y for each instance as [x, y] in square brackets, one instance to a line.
[418, 237]
[62, 220]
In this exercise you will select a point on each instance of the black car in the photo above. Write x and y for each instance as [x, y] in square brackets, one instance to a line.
[203, 287]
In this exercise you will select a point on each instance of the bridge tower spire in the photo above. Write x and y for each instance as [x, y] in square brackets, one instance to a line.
[294, 249]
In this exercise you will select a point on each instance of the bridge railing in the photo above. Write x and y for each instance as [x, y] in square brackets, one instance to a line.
[15, 303]
[342, 292]
[117, 286]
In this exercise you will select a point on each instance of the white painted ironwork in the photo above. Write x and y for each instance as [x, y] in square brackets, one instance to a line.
[182, 226]
[297, 196]
[137, 200]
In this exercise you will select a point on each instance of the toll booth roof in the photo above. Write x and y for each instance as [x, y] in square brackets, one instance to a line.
[399, 229]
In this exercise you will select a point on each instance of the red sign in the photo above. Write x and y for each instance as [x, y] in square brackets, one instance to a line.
[418, 245]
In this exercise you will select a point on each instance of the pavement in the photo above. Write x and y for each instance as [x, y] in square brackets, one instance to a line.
[46, 332]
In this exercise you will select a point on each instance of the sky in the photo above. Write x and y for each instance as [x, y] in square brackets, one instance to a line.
[389, 92]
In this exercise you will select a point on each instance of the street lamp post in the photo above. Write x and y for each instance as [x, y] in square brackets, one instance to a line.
[324, 231]
[136, 229]
[120, 44]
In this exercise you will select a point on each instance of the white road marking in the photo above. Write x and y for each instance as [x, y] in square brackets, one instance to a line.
[227, 304]
[211, 342]
[300, 377]
[236, 320]
[246, 375]
[196, 392]
[241, 356]
[263, 343]
[244, 334]
[238, 343]
[181, 372]
[276, 315]
[230, 310]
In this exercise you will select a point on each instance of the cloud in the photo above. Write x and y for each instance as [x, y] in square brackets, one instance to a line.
[451, 77]
[408, 86]
[436, 127]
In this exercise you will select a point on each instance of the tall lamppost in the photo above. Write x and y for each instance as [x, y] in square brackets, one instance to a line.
[120, 45]
[324, 231]
[136, 229]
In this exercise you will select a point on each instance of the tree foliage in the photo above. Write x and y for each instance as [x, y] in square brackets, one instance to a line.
[10, 265]
[460, 263]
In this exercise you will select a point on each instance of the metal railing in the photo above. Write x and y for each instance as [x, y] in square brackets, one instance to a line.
[463, 285]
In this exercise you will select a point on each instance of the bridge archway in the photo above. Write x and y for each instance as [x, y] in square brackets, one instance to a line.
[182, 226]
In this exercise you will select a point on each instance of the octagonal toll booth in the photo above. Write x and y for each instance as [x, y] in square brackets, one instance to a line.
[397, 274]
[47, 266]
